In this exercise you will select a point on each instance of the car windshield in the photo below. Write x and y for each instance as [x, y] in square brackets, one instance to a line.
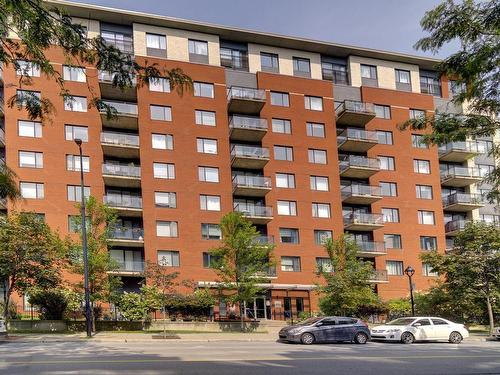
[309, 321]
[400, 322]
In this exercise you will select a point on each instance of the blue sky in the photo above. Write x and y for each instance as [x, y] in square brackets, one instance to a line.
[391, 25]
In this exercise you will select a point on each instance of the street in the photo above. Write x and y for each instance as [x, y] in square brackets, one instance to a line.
[233, 357]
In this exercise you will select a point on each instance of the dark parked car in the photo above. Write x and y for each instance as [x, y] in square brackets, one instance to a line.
[327, 329]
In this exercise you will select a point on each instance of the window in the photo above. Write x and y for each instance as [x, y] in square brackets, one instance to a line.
[72, 73]
[392, 241]
[204, 117]
[30, 159]
[159, 85]
[394, 267]
[205, 90]
[289, 235]
[426, 217]
[280, 99]
[283, 153]
[164, 170]
[73, 163]
[421, 166]
[382, 111]
[210, 231]
[74, 224]
[430, 84]
[209, 260]
[314, 103]
[315, 130]
[269, 62]
[301, 67]
[424, 191]
[368, 71]
[334, 72]
[320, 236]
[210, 202]
[416, 113]
[428, 243]
[285, 180]
[155, 41]
[290, 264]
[75, 193]
[316, 156]
[160, 112]
[403, 76]
[31, 129]
[390, 215]
[324, 264]
[206, 146]
[281, 126]
[386, 163]
[417, 141]
[428, 271]
[75, 103]
[388, 189]
[168, 258]
[166, 228]
[384, 137]
[26, 96]
[485, 169]
[198, 47]
[162, 141]
[27, 68]
[31, 190]
[165, 199]
[287, 208]
[457, 88]
[73, 132]
[208, 174]
[321, 210]
[319, 183]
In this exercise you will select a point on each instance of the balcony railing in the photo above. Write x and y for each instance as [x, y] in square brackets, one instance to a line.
[463, 198]
[254, 210]
[121, 170]
[246, 93]
[455, 225]
[251, 181]
[129, 266]
[379, 276]
[234, 62]
[254, 152]
[358, 189]
[371, 247]
[126, 233]
[458, 171]
[357, 134]
[337, 76]
[247, 122]
[120, 139]
[122, 108]
[109, 77]
[264, 240]
[355, 106]
[466, 146]
[125, 46]
[354, 161]
[363, 218]
[123, 201]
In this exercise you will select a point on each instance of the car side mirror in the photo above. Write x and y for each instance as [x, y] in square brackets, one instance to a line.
[417, 325]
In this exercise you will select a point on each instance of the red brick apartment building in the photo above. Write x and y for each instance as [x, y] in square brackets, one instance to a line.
[300, 136]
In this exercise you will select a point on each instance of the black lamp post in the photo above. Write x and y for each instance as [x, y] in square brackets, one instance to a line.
[88, 319]
[409, 271]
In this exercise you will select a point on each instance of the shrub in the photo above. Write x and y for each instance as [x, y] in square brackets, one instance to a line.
[52, 303]
[12, 314]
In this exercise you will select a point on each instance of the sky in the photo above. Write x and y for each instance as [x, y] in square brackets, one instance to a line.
[391, 25]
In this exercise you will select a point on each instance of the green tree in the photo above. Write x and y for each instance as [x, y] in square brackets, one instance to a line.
[8, 185]
[472, 269]
[52, 303]
[346, 289]
[31, 254]
[241, 262]
[132, 306]
[39, 26]
[475, 67]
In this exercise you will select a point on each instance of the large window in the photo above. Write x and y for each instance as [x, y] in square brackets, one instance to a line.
[211, 231]
[31, 129]
[75, 193]
[301, 67]
[210, 260]
[390, 215]
[388, 189]
[424, 191]
[421, 166]
[208, 174]
[73, 73]
[403, 76]
[289, 235]
[31, 190]
[162, 141]
[206, 146]
[426, 217]
[394, 267]
[392, 241]
[324, 264]
[27, 68]
[314, 103]
[285, 180]
[382, 111]
[168, 258]
[280, 99]
[416, 113]
[73, 132]
[269, 62]
[165, 199]
[210, 202]
[73, 163]
[205, 117]
[428, 243]
[30, 159]
[417, 141]
[321, 210]
[160, 112]
[198, 51]
[159, 85]
[320, 236]
[427, 270]
[287, 208]
[368, 71]
[386, 163]
[281, 126]
[283, 153]
[75, 103]
[156, 45]
[316, 156]
[319, 183]
[205, 90]
[166, 229]
[384, 137]
[290, 264]
[315, 130]
[164, 170]
[28, 96]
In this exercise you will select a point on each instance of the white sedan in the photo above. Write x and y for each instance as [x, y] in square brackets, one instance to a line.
[496, 333]
[409, 330]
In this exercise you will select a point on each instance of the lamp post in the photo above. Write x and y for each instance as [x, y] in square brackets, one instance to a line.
[409, 271]
[88, 319]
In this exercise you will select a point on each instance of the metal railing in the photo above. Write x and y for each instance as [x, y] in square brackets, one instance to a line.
[358, 161]
[247, 93]
[125, 46]
[465, 146]
[129, 266]
[379, 275]
[264, 240]
[455, 198]
[371, 247]
[337, 76]
[358, 135]
[251, 181]
[457, 171]
[363, 218]
[125, 201]
[109, 77]
[358, 189]
[255, 152]
[247, 122]
[120, 139]
[127, 233]
[122, 170]
[455, 225]
[234, 62]
[355, 106]
[122, 108]
[254, 210]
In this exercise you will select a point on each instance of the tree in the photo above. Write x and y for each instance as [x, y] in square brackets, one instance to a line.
[52, 303]
[8, 185]
[241, 262]
[132, 306]
[472, 269]
[39, 26]
[346, 289]
[31, 254]
[475, 67]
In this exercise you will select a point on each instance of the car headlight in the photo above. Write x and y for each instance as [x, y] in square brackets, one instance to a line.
[393, 330]
[294, 331]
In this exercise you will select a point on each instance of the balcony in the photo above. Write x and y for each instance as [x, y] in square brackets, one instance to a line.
[338, 77]
[249, 157]
[125, 205]
[231, 60]
[462, 202]
[247, 128]
[120, 145]
[245, 100]
[359, 221]
[126, 236]
[122, 42]
[264, 240]
[356, 140]
[353, 166]
[251, 186]
[2, 138]
[458, 151]
[126, 116]
[256, 214]
[110, 89]
[369, 249]
[460, 176]
[454, 227]
[128, 267]
[379, 277]
[121, 175]
[360, 194]
[354, 113]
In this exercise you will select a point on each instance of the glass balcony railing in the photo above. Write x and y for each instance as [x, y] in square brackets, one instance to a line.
[126, 233]
[379, 276]
[254, 210]
[363, 218]
[462, 198]
[129, 266]
[355, 106]
[358, 135]
[355, 161]
[247, 122]
[120, 139]
[458, 171]
[109, 77]
[122, 108]
[371, 247]
[455, 225]
[358, 189]
[126, 201]
[121, 170]
[246, 93]
[337, 76]
[251, 181]
[264, 240]
[254, 152]
[466, 146]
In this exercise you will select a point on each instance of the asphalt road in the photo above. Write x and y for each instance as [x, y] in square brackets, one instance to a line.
[244, 358]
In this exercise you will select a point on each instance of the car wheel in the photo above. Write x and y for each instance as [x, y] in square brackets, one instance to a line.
[407, 338]
[455, 338]
[307, 338]
[360, 338]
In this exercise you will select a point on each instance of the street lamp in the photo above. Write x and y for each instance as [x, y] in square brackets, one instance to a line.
[409, 271]
[84, 246]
